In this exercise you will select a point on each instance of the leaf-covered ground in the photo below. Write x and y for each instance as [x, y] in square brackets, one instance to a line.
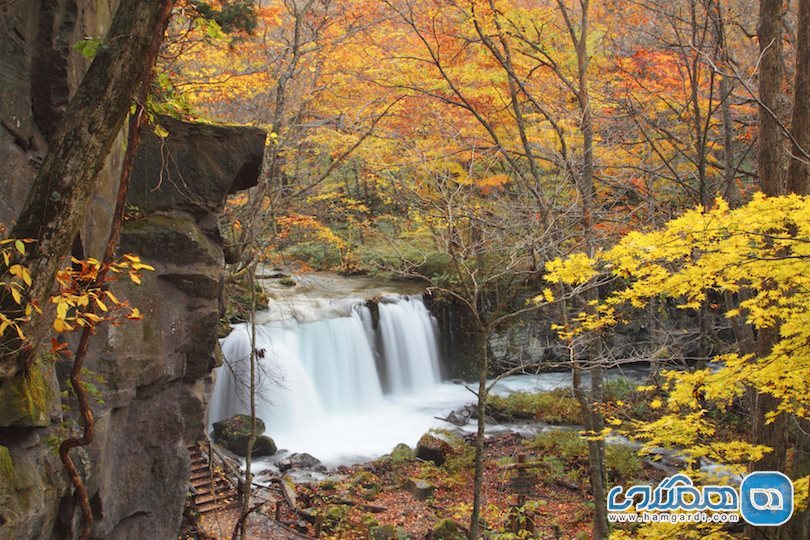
[380, 499]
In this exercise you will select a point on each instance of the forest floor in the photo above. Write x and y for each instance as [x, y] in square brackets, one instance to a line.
[400, 496]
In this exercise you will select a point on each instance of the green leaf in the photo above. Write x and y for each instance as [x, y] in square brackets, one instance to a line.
[88, 47]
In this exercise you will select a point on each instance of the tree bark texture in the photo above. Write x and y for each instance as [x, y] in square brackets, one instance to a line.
[769, 33]
[799, 167]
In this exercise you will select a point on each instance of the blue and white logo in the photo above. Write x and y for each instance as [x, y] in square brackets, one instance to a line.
[766, 498]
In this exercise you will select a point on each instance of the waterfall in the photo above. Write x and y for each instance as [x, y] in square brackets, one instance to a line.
[318, 373]
[410, 350]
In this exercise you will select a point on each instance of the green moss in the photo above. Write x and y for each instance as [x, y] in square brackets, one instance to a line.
[447, 529]
[24, 399]
[6, 463]
[401, 453]
[554, 407]
[567, 456]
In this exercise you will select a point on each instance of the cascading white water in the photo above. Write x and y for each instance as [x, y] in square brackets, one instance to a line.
[319, 387]
[409, 346]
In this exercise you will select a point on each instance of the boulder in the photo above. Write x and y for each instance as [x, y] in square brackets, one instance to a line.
[401, 452]
[234, 434]
[433, 448]
[447, 529]
[388, 532]
[366, 485]
[420, 489]
[263, 446]
[299, 461]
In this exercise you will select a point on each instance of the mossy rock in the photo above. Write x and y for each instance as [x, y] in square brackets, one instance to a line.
[287, 282]
[401, 453]
[367, 485]
[234, 434]
[420, 489]
[388, 532]
[237, 425]
[6, 468]
[25, 399]
[433, 448]
[447, 529]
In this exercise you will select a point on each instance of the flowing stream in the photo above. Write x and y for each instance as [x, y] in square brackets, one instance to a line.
[343, 388]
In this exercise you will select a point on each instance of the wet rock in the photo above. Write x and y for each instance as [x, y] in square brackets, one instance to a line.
[234, 434]
[461, 417]
[273, 275]
[264, 446]
[433, 448]
[401, 452]
[299, 461]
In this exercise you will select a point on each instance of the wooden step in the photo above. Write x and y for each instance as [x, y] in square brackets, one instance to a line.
[201, 474]
[215, 507]
[220, 496]
[207, 487]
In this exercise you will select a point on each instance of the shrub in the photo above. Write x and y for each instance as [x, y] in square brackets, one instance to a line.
[554, 407]
[567, 450]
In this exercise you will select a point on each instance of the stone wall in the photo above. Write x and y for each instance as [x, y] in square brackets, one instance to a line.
[151, 375]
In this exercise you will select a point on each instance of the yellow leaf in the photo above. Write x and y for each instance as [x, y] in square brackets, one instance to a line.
[101, 305]
[59, 325]
[17, 296]
[92, 317]
[26, 276]
[16, 270]
[135, 278]
[161, 132]
[112, 297]
[61, 311]
[20, 246]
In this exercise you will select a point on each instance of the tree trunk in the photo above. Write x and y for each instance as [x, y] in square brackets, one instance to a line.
[247, 490]
[799, 182]
[769, 32]
[799, 167]
[478, 482]
[66, 182]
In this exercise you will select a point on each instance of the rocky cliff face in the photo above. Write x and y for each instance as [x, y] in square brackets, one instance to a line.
[152, 375]
[527, 340]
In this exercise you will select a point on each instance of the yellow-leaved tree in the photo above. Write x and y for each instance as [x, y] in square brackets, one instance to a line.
[756, 261]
